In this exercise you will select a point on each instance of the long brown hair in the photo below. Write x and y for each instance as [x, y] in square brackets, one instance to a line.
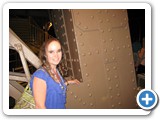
[42, 56]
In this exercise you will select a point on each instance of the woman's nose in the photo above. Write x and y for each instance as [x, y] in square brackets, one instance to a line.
[55, 54]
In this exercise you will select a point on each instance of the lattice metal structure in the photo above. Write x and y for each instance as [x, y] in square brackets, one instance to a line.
[26, 54]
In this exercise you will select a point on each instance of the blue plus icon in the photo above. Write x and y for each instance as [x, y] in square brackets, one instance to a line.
[147, 99]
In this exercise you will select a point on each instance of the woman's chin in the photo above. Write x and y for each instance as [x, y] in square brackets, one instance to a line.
[56, 63]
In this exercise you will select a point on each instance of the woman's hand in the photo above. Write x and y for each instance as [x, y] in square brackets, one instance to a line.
[74, 81]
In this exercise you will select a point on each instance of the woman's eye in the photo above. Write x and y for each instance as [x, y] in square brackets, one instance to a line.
[59, 50]
[50, 51]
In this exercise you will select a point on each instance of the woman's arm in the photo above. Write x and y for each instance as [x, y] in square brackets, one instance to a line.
[39, 92]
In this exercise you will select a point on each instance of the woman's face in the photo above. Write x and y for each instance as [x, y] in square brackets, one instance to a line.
[54, 53]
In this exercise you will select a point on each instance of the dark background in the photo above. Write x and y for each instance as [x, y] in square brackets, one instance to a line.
[136, 19]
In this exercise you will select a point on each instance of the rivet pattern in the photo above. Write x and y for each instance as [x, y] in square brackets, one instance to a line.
[98, 44]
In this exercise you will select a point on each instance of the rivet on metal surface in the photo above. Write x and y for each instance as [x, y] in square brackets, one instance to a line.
[92, 17]
[102, 31]
[87, 74]
[83, 54]
[80, 34]
[75, 97]
[79, 23]
[111, 39]
[80, 99]
[81, 44]
[85, 64]
[109, 30]
[84, 103]
[114, 67]
[124, 46]
[108, 69]
[127, 36]
[89, 53]
[85, 27]
[133, 80]
[97, 51]
[106, 59]
[131, 63]
[104, 40]
[119, 103]
[111, 97]
[71, 20]
[81, 79]
[75, 60]
[113, 15]
[76, 50]
[112, 49]
[117, 85]
[90, 95]
[115, 76]
[91, 104]
[118, 95]
[113, 58]
[100, 21]
[113, 106]
[109, 79]
[110, 88]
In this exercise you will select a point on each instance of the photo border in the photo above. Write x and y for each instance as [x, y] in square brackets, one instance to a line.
[5, 52]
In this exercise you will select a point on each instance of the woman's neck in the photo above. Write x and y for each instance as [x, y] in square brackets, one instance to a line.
[53, 68]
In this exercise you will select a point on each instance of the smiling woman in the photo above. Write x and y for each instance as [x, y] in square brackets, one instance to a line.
[47, 84]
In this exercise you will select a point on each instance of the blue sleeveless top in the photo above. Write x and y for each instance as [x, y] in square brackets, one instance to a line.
[55, 94]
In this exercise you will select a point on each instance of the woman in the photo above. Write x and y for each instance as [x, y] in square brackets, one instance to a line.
[48, 86]
[141, 60]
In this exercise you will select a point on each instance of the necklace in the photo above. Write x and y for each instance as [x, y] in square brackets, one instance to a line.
[57, 79]
[61, 85]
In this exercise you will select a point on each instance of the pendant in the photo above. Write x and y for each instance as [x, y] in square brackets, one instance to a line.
[62, 87]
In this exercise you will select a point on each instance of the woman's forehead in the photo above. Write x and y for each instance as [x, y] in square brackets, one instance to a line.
[54, 45]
